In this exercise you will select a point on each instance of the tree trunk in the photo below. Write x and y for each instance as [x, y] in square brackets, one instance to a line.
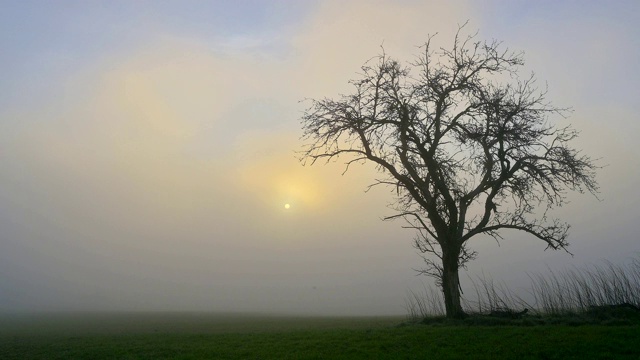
[451, 285]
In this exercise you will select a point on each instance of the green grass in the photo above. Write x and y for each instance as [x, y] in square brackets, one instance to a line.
[200, 336]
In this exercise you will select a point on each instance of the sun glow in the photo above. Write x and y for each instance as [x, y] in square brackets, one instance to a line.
[287, 206]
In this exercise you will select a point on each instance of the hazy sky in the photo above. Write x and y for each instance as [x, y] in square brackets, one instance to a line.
[147, 150]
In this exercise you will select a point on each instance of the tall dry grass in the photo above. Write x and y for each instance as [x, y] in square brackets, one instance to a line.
[573, 290]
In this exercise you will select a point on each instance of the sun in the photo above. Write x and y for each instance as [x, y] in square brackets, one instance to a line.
[286, 206]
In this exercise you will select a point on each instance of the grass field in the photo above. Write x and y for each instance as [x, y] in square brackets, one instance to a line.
[215, 336]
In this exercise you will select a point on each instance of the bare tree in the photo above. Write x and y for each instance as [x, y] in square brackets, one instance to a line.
[466, 143]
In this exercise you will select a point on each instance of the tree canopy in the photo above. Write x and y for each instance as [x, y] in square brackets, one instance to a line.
[468, 144]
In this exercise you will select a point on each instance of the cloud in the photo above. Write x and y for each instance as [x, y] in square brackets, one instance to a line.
[156, 177]
[344, 34]
[171, 173]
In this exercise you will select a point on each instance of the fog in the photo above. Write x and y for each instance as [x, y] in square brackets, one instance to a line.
[147, 151]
